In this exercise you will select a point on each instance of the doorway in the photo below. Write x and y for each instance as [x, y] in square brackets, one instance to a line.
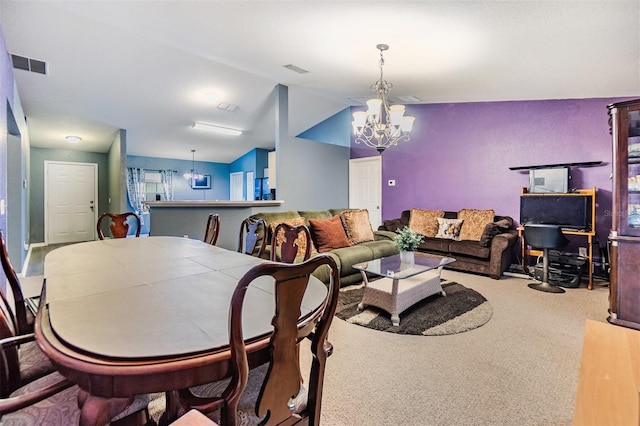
[71, 210]
[237, 186]
[365, 187]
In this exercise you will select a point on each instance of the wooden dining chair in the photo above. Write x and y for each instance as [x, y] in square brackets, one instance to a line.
[19, 313]
[289, 242]
[213, 229]
[273, 393]
[48, 399]
[253, 235]
[118, 224]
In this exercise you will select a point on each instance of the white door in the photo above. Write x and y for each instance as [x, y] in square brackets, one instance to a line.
[249, 186]
[365, 187]
[70, 202]
[237, 186]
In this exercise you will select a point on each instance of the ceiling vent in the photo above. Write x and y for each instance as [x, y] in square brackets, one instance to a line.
[227, 107]
[27, 64]
[295, 68]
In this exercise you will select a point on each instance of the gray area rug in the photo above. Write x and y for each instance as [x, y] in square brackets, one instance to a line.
[462, 309]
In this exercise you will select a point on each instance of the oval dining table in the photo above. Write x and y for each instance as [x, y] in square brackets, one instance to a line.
[129, 316]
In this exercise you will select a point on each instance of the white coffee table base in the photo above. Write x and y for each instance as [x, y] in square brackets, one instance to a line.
[395, 296]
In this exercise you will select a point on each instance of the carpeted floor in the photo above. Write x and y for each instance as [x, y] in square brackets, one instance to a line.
[462, 309]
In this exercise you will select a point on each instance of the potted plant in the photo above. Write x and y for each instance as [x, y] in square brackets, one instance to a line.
[407, 242]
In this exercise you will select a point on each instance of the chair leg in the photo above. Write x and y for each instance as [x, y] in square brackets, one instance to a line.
[544, 285]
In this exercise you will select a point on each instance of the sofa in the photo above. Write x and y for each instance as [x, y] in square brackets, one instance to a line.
[345, 234]
[485, 246]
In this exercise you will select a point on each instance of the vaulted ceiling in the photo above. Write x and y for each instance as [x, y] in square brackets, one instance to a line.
[146, 66]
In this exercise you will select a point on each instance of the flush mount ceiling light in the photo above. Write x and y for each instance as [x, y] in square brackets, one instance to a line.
[73, 139]
[211, 97]
[217, 129]
[381, 126]
[193, 173]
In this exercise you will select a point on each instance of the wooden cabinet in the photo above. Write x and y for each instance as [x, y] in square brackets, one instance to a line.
[624, 237]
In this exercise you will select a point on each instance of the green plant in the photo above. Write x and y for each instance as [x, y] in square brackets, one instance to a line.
[407, 239]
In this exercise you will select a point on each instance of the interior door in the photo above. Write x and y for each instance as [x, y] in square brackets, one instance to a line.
[365, 187]
[236, 181]
[70, 202]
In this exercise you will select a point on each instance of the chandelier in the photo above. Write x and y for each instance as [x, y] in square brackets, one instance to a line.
[382, 125]
[193, 173]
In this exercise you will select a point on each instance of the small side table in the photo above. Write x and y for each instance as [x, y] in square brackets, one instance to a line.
[403, 284]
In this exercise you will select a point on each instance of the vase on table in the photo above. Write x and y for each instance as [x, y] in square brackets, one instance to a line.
[407, 256]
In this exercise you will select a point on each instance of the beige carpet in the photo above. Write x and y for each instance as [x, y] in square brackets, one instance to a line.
[521, 368]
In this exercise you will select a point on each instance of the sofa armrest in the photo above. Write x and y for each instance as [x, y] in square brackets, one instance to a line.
[502, 253]
[384, 235]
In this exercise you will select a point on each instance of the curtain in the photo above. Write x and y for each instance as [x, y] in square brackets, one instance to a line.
[135, 189]
[166, 177]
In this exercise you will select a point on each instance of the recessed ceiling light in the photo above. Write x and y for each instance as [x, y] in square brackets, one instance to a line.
[217, 129]
[73, 139]
[211, 97]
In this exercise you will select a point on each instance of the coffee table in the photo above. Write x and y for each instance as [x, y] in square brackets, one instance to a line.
[403, 284]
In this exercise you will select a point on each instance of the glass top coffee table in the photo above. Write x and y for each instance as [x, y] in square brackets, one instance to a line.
[403, 284]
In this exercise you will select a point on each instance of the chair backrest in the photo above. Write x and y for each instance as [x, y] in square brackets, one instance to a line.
[283, 379]
[17, 312]
[213, 229]
[252, 232]
[9, 357]
[119, 224]
[544, 236]
[286, 240]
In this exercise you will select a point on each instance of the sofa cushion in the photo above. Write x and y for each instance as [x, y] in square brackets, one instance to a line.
[328, 234]
[449, 229]
[425, 222]
[352, 255]
[381, 248]
[492, 229]
[357, 226]
[474, 223]
[469, 248]
[435, 244]
[315, 214]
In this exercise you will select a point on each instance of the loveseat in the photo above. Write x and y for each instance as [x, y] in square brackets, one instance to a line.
[344, 234]
[486, 246]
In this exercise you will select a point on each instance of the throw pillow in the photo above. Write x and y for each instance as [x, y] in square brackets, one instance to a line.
[474, 223]
[449, 229]
[328, 234]
[357, 226]
[425, 222]
[302, 241]
[491, 230]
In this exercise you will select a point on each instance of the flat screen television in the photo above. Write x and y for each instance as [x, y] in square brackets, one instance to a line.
[568, 211]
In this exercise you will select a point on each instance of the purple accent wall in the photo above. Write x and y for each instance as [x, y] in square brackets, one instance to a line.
[459, 155]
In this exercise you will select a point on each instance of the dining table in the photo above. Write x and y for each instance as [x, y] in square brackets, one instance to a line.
[129, 316]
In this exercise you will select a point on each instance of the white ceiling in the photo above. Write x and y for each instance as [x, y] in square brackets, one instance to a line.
[145, 66]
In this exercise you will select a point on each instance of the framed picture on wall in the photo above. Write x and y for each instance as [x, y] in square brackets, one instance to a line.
[204, 182]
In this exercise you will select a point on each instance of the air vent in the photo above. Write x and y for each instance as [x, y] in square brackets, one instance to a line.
[227, 107]
[409, 99]
[295, 68]
[27, 64]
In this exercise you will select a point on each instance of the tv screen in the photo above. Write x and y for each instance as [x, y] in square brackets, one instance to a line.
[568, 211]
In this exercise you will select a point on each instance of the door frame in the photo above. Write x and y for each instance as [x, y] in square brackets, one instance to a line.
[47, 163]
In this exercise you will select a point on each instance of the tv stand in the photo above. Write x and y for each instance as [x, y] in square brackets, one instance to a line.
[588, 234]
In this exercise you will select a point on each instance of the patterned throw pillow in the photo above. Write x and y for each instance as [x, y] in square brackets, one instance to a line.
[357, 226]
[328, 234]
[474, 223]
[301, 241]
[425, 222]
[449, 229]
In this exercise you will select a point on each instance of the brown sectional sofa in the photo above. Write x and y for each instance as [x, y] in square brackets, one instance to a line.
[345, 257]
[471, 256]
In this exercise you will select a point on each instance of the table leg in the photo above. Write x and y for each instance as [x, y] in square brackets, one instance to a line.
[366, 282]
[98, 411]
